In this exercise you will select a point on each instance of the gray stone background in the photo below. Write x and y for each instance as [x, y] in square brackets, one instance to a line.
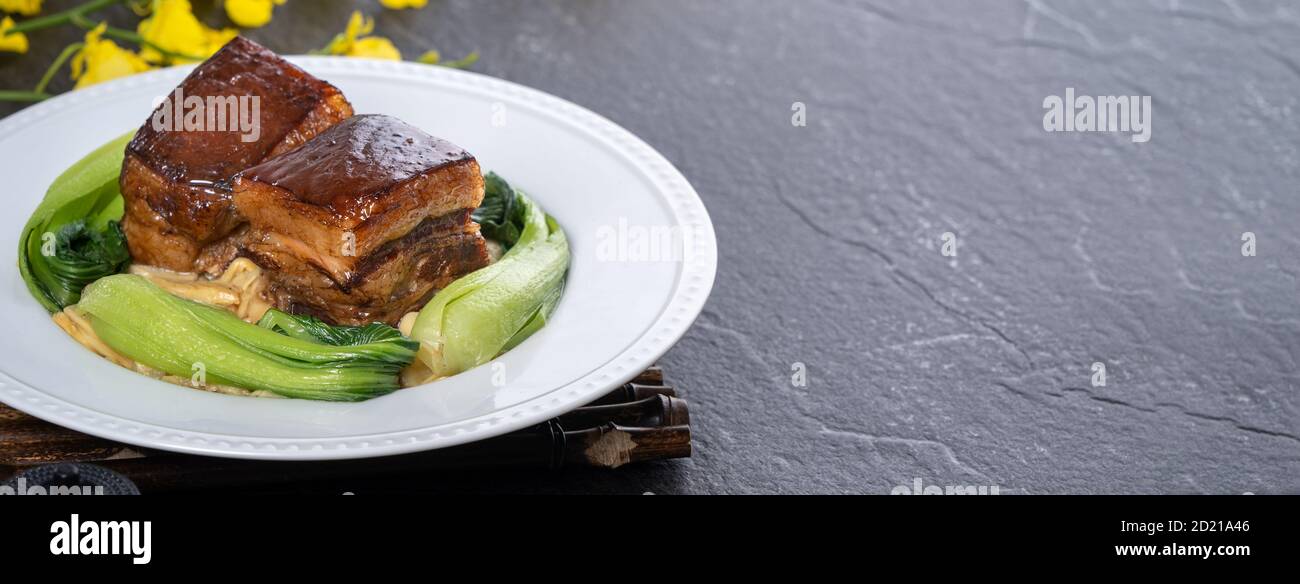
[925, 117]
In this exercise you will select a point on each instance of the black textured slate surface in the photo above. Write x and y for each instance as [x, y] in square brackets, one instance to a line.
[925, 117]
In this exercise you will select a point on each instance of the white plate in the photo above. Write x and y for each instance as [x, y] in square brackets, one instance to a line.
[618, 315]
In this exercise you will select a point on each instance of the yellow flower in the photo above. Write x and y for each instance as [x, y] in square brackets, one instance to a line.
[251, 13]
[101, 59]
[375, 48]
[354, 43]
[400, 4]
[174, 27]
[23, 7]
[11, 43]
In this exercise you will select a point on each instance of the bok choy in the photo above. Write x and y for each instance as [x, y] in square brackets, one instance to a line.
[73, 238]
[492, 310]
[293, 356]
[498, 216]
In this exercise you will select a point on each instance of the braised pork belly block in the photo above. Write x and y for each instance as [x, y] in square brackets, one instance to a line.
[364, 222]
[175, 178]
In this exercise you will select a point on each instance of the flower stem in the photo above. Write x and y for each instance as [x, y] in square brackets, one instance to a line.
[61, 17]
[25, 96]
[58, 18]
[461, 63]
[56, 65]
[130, 37]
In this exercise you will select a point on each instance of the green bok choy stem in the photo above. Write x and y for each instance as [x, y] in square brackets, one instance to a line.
[73, 238]
[308, 360]
[492, 310]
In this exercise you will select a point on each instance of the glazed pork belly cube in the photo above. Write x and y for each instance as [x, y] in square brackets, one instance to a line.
[364, 222]
[175, 179]
[394, 282]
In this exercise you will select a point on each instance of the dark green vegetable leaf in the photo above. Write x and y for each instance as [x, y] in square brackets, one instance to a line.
[500, 216]
[81, 256]
[309, 328]
[87, 192]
